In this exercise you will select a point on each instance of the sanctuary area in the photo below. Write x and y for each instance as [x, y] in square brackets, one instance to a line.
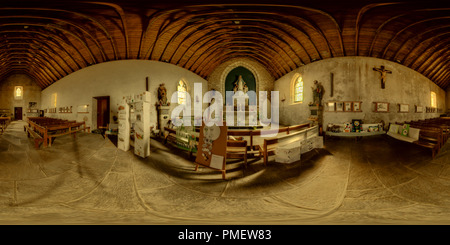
[159, 112]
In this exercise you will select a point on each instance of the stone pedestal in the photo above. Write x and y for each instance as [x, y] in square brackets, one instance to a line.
[163, 117]
[316, 116]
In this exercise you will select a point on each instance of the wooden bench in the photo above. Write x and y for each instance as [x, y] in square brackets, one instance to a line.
[52, 128]
[65, 129]
[4, 122]
[430, 139]
[237, 149]
[37, 138]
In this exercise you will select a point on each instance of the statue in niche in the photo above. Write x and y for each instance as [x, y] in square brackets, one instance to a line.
[162, 95]
[317, 93]
[240, 85]
[240, 92]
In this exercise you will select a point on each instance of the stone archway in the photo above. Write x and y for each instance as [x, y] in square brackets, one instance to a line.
[234, 65]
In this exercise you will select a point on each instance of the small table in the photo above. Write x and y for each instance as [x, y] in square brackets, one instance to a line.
[358, 135]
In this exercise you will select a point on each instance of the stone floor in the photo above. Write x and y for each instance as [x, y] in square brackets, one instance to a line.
[87, 180]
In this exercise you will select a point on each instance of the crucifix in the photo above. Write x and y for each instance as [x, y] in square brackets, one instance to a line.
[383, 75]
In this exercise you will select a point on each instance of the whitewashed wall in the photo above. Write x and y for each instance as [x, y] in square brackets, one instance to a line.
[115, 79]
[355, 80]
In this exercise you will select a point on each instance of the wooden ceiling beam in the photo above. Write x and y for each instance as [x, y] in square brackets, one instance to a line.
[406, 28]
[418, 36]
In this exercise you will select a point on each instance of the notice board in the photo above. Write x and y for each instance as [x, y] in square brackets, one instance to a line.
[212, 147]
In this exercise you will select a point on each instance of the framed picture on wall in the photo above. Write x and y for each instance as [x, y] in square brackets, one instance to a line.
[381, 107]
[419, 109]
[331, 106]
[403, 108]
[348, 106]
[339, 106]
[357, 106]
[83, 109]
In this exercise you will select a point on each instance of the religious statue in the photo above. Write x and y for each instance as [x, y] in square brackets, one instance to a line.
[383, 75]
[162, 95]
[317, 93]
[240, 85]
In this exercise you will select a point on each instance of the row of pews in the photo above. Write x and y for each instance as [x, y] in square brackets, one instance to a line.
[434, 133]
[45, 129]
[4, 122]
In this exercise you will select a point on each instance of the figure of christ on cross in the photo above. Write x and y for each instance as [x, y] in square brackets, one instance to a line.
[383, 75]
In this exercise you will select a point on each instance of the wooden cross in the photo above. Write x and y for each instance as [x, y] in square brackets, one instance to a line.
[383, 75]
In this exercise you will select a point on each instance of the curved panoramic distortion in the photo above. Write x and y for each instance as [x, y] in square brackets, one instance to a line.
[49, 40]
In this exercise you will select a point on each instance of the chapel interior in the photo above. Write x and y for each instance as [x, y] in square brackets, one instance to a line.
[225, 112]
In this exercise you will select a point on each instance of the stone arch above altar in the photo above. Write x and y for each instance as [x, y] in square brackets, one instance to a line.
[263, 80]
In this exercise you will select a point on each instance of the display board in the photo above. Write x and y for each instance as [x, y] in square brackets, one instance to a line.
[135, 125]
[123, 142]
[212, 148]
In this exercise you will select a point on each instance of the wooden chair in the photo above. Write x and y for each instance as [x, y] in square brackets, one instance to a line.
[237, 149]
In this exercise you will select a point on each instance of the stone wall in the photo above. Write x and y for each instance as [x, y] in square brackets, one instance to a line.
[355, 80]
[31, 93]
[264, 81]
[116, 79]
[448, 101]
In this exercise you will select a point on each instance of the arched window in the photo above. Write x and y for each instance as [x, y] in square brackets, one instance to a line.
[18, 92]
[181, 88]
[433, 100]
[298, 89]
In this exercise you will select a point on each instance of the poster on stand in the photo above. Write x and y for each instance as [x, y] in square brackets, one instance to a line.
[212, 147]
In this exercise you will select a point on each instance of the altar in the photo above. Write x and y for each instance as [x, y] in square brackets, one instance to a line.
[241, 109]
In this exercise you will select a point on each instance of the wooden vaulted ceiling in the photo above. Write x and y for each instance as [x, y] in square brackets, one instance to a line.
[49, 40]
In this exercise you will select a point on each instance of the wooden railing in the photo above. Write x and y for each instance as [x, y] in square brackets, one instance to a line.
[253, 137]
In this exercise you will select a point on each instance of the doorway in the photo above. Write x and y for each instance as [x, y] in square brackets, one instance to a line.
[102, 111]
[18, 113]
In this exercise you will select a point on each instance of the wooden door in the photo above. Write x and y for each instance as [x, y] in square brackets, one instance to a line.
[102, 112]
[18, 113]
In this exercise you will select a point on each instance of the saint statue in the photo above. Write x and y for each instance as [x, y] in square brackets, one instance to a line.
[317, 93]
[240, 85]
[162, 95]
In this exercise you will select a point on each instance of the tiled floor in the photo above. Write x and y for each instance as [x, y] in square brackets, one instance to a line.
[87, 180]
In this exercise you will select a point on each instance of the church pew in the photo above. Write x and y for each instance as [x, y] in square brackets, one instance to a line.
[429, 137]
[52, 128]
[4, 122]
[66, 129]
[37, 138]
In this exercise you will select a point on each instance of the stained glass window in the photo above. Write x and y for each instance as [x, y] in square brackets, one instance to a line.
[298, 90]
[181, 88]
[18, 92]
